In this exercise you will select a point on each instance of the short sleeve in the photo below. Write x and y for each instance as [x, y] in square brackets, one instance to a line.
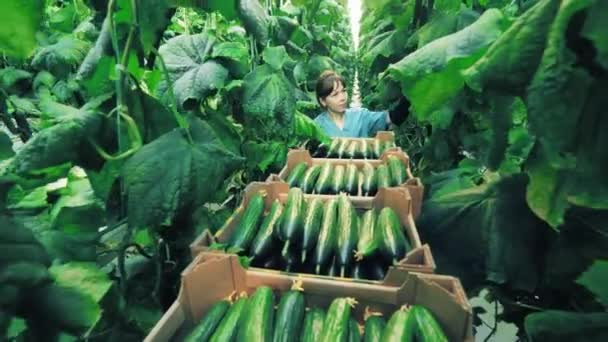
[374, 122]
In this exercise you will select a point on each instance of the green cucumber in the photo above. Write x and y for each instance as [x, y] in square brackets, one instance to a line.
[382, 176]
[397, 171]
[228, 328]
[427, 329]
[321, 151]
[368, 242]
[333, 148]
[290, 315]
[376, 268]
[348, 229]
[312, 226]
[353, 150]
[354, 333]
[343, 148]
[359, 271]
[351, 180]
[313, 325]
[337, 180]
[327, 236]
[370, 185]
[335, 327]
[374, 327]
[377, 149]
[263, 243]
[400, 327]
[248, 224]
[363, 150]
[210, 321]
[291, 228]
[323, 185]
[388, 145]
[272, 262]
[296, 174]
[310, 179]
[393, 243]
[256, 322]
[334, 267]
[291, 259]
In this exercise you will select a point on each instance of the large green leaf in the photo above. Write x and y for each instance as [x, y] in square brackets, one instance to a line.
[569, 166]
[62, 142]
[430, 77]
[255, 19]
[14, 80]
[193, 74]
[61, 57]
[153, 16]
[275, 56]
[191, 174]
[564, 326]
[6, 146]
[510, 62]
[20, 20]
[490, 242]
[268, 102]
[87, 278]
[595, 279]
[226, 7]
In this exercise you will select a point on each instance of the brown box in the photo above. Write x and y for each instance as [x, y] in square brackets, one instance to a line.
[419, 259]
[212, 277]
[413, 184]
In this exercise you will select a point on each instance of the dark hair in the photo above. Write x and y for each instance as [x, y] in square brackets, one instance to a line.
[325, 84]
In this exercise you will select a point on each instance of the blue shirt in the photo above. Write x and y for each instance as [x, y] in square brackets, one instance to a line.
[358, 123]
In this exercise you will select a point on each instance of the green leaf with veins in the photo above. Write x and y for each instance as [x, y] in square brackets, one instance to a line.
[20, 21]
[595, 280]
[60, 58]
[193, 74]
[194, 169]
[430, 77]
[6, 146]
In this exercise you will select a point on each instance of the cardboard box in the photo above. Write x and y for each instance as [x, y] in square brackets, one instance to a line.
[212, 277]
[413, 184]
[419, 259]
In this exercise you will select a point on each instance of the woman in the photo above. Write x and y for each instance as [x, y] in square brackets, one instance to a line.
[339, 121]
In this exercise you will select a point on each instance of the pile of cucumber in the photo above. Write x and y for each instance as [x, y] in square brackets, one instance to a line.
[345, 148]
[328, 178]
[255, 320]
[327, 238]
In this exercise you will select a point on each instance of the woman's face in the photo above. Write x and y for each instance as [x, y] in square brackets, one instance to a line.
[336, 101]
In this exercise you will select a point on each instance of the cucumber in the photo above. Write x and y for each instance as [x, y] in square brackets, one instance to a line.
[256, 322]
[363, 150]
[310, 178]
[388, 145]
[353, 150]
[369, 186]
[397, 171]
[427, 329]
[376, 268]
[348, 227]
[333, 148]
[335, 327]
[207, 325]
[313, 325]
[291, 228]
[262, 244]
[392, 241]
[354, 334]
[359, 271]
[291, 259]
[327, 235]
[296, 174]
[343, 148]
[321, 151]
[248, 224]
[377, 149]
[290, 315]
[334, 267]
[400, 327]
[382, 177]
[312, 226]
[337, 180]
[323, 185]
[368, 242]
[272, 262]
[228, 328]
[374, 326]
[351, 179]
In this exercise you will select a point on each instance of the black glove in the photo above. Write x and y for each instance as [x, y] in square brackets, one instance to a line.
[400, 112]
